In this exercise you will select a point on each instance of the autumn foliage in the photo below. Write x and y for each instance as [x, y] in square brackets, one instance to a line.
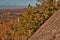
[23, 26]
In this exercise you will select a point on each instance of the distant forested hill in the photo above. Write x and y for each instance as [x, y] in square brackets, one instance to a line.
[11, 6]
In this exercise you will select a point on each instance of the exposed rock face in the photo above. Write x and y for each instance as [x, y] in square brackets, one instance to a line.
[49, 30]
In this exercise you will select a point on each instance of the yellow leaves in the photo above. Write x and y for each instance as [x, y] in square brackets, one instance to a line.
[46, 12]
[25, 20]
[33, 17]
[46, 16]
[36, 20]
[30, 16]
[26, 25]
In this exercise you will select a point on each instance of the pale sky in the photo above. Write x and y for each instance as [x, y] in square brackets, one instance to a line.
[17, 2]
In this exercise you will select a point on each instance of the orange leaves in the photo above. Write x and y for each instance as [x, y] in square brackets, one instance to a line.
[22, 27]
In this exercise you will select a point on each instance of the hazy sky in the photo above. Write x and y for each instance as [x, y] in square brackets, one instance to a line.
[17, 2]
